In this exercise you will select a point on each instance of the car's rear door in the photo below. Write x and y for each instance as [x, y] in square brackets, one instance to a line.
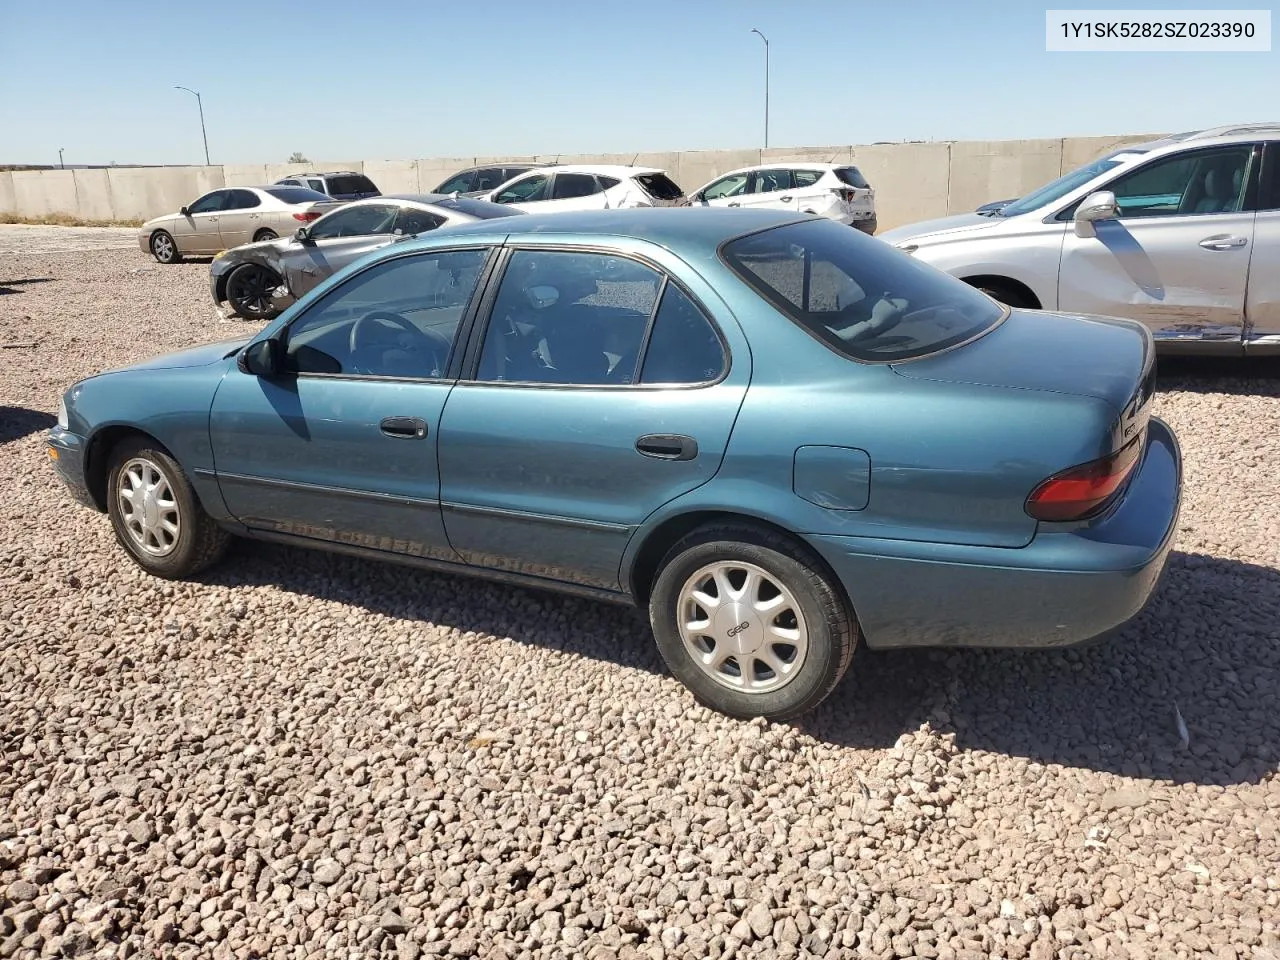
[1262, 300]
[241, 218]
[599, 390]
[197, 231]
[770, 189]
[341, 446]
[1177, 257]
[337, 239]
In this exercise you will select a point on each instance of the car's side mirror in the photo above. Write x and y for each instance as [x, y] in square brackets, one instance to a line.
[262, 358]
[697, 197]
[1100, 205]
[185, 211]
[302, 235]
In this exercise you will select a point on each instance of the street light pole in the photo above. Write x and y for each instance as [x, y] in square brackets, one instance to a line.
[766, 83]
[60, 163]
[200, 105]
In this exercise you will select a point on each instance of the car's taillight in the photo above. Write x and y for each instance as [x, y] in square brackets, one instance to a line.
[1082, 491]
[307, 217]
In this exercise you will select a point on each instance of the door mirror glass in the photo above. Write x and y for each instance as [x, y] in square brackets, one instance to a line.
[1100, 205]
[261, 359]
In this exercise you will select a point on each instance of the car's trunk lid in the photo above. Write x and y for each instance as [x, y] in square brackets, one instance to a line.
[1100, 357]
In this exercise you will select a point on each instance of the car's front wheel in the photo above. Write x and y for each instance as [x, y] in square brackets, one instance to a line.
[156, 515]
[249, 292]
[750, 622]
[164, 248]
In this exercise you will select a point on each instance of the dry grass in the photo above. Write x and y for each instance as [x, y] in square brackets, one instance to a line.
[65, 220]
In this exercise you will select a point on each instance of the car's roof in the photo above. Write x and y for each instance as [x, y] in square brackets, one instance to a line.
[608, 169]
[503, 164]
[671, 227]
[326, 173]
[409, 197]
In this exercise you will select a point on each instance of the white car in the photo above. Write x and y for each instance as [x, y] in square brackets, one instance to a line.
[837, 191]
[1181, 234]
[588, 187]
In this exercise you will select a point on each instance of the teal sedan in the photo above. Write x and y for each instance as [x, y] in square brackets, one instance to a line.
[779, 436]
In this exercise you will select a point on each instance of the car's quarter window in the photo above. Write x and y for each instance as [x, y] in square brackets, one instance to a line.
[1202, 181]
[730, 186]
[859, 296]
[399, 318]
[242, 200]
[770, 181]
[569, 185]
[356, 221]
[683, 346]
[411, 220]
[523, 191]
[209, 203]
[569, 317]
[805, 178]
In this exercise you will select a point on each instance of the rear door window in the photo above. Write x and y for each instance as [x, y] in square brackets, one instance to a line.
[316, 185]
[659, 186]
[242, 200]
[853, 177]
[770, 181]
[570, 185]
[683, 346]
[859, 296]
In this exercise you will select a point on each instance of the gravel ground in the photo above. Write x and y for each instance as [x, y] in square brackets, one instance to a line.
[310, 756]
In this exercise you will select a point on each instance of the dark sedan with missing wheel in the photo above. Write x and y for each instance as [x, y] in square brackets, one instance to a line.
[258, 280]
[777, 435]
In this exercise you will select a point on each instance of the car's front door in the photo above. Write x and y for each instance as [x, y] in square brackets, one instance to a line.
[725, 192]
[240, 219]
[342, 446]
[197, 231]
[585, 410]
[1177, 257]
[337, 239]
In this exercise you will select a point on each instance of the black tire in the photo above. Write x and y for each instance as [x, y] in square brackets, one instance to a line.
[265, 234]
[199, 541]
[867, 226]
[832, 630]
[1005, 294]
[249, 289]
[164, 248]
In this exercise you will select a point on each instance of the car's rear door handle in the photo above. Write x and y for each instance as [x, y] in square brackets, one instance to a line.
[1223, 242]
[667, 446]
[404, 428]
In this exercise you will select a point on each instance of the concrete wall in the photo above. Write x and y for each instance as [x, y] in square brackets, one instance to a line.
[913, 181]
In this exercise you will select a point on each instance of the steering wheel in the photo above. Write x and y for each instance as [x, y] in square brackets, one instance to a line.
[435, 344]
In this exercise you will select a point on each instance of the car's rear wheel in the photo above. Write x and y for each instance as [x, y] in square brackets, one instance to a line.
[249, 291]
[749, 620]
[265, 235]
[164, 248]
[155, 513]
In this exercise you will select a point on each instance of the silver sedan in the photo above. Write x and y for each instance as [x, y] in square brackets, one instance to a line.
[230, 217]
[259, 280]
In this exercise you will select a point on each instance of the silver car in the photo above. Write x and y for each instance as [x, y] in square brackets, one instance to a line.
[229, 217]
[1182, 233]
[258, 280]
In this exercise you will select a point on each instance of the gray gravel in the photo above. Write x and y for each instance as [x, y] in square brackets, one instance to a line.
[308, 756]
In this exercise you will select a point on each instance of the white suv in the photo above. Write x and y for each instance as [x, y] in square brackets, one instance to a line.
[1182, 234]
[588, 187]
[837, 191]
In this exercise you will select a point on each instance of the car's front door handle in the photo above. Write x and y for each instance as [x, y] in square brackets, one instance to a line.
[734, 203]
[1223, 242]
[667, 446]
[404, 428]
[785, 199]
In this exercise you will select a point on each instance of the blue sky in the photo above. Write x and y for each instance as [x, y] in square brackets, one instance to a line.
[368, 79]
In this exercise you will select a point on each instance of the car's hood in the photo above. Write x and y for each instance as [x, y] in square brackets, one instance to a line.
[193, 356]
[943, 226]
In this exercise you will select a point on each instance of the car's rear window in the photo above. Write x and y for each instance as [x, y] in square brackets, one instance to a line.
[659, 186]
[858, 295]
[351, 183]
[482, 209]
[295, 194]
[853, 177]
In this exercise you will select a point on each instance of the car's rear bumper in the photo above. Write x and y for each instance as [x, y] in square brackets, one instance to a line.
[66, 452]
[1067, 586]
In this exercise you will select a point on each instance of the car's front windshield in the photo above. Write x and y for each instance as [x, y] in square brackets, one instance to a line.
[1066, 183]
